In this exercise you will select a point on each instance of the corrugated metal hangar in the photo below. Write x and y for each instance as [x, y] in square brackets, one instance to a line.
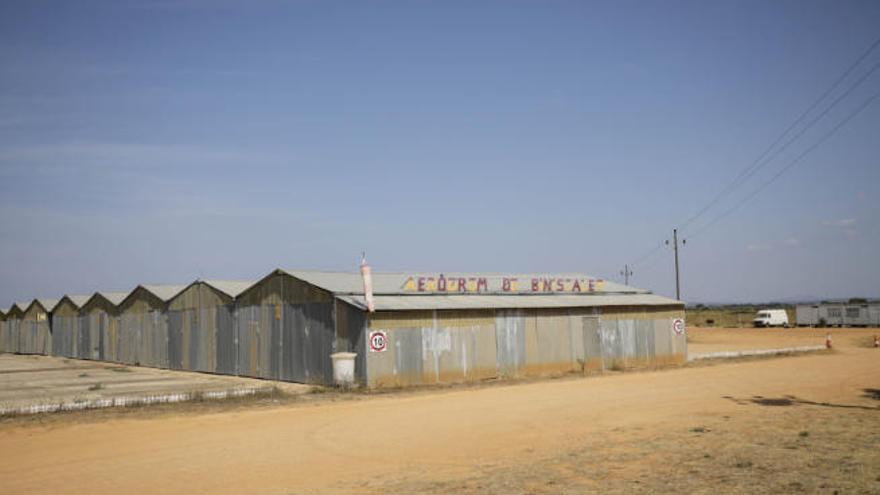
[424, 328]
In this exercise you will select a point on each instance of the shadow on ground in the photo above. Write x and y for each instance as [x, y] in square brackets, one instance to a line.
[790, 400]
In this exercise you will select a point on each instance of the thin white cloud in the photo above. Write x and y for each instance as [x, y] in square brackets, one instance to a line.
[842, 222]
[792, 241]
[755, 248]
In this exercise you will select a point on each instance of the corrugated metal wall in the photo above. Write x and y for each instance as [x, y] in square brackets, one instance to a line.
[433, 347]
[97, 335]
[351, 331]
[200, 324]
[9, 332]
[4, 337]
[448, 346]
[65, 326]
[33, 332]
[142, 333]
[286, 331]
[227, 340]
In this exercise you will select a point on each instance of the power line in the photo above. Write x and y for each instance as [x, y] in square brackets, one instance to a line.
[747, 172]
[791, 164]
[766, 156]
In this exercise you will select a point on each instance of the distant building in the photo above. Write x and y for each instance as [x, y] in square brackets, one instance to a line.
[838, 314]
[426, 328]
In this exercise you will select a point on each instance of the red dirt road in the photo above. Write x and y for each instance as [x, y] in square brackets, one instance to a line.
[382, 442]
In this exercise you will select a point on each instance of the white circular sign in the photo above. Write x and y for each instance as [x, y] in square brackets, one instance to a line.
[378, 341]
[678, 326]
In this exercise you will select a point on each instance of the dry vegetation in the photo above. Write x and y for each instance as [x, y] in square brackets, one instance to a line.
[730, 316]
[774, 445]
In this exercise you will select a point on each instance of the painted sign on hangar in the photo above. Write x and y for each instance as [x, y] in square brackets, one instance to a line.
[510, 285]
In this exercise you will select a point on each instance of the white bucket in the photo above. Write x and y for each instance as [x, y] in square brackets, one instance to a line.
[343, 367]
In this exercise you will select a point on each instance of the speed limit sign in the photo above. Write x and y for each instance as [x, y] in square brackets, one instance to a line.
[678, 326]
[378, 341]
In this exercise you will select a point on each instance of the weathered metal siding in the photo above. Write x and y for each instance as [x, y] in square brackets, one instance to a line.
[646, 335]
[446, 346]
[433, 347]
[99, 332]
[227, 341]
[142, 336]
[11, 334]
[90, 337]
[65, 326]
[5, 345]
[286, 331]
[510, 341]
[307, 341]
[35, 335]
[351, 331]
[194, 334]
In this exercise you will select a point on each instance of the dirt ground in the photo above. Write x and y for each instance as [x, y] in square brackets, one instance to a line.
[807, 423]
[704, 340]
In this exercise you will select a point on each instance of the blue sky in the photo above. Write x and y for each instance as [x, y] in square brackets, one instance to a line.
[161, 141]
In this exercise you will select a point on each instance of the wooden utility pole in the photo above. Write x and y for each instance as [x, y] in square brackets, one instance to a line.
[626, 272]
[675, 249]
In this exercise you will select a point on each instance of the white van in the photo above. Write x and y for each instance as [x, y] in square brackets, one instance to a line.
[771, 318]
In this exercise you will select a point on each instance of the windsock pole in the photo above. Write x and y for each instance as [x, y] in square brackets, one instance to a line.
[368, 284]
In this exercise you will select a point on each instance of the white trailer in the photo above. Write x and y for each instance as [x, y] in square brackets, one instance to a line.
[856, 315]
[807, 315]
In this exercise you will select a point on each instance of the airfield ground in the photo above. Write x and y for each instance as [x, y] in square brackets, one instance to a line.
[807, 423]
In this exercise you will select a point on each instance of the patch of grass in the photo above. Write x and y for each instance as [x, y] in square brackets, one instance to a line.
[97, 386]
[700, 429]
[744, 464]
[120, 369]
[804, 434]
[83, 375]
